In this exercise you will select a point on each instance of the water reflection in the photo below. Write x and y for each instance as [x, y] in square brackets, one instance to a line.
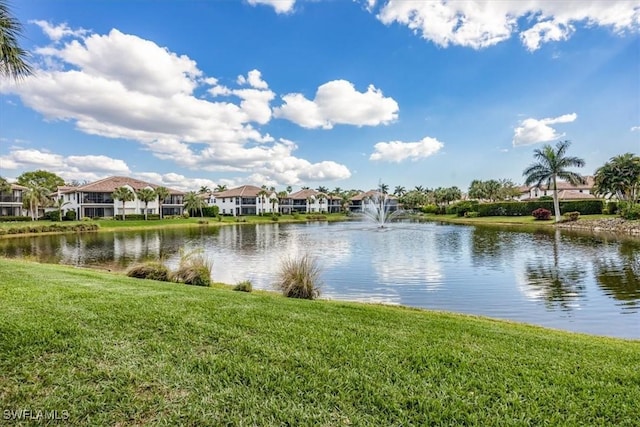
[618, 274]
[554, 275]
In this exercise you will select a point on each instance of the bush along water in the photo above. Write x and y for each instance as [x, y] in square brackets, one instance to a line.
[299, 277]
[151, 271]
[542, 214]
[194, 269]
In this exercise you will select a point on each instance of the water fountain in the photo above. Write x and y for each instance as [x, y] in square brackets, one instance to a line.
[378, 209]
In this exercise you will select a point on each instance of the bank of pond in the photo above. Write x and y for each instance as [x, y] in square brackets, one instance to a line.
[105, 349]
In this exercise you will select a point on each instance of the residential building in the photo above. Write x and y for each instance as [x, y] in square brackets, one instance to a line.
[359, 201]
[11, 201]
[566, 191]
[309, 201]
[95, 199]
[245, 200]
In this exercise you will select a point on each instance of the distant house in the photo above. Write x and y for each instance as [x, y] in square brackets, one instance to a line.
[245, 200]
[309, 201]
[95, 199]
[11, 202]
[359, 201]
[566, 191]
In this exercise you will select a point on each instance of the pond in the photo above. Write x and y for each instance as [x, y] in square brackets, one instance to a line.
[574, 282]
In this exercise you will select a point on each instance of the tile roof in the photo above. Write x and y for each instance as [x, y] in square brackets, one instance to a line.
[243, 191]
[107, 185]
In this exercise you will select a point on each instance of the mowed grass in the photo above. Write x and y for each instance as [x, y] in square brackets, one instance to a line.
[113, 350]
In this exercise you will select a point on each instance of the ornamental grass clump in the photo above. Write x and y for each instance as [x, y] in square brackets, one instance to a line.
[150, 271]
[244, 286]
[194, 269]
[299, 277]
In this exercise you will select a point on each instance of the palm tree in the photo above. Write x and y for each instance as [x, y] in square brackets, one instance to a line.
[193, 202]
[13, 59]
[399, 191]
[35, 195]
[289, 189]
[204, 190]
[619, 177]
[273, 201]
[384, 188]
[419, 188]
[220, 188]
[321, 199]
[552, 164]
[162, 193]
[146, 195]
[124, 194]
[59, 204]
[322, 189]
[261, 195]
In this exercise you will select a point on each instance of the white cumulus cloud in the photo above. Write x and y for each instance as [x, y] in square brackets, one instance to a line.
[533, 131]
[280, 6]
[338, 102]
[57, 32]
[152, 99]
[397, 151]
[635, 128]
[479, 24]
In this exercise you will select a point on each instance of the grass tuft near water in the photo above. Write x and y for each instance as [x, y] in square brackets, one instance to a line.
[112, 350]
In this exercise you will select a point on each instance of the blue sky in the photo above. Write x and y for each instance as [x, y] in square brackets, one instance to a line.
[307, 93]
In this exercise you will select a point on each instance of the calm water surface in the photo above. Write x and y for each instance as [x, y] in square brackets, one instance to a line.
[574, 282]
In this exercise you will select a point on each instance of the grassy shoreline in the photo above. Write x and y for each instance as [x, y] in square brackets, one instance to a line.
[112, 350]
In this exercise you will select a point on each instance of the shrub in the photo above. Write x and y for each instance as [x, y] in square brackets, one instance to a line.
[194, 269]
[244, 286]
[15, 218]
[274, 218]
[299, 277]
[461, 208]
[629, 211]
[210, 211]
[150, 271]
[546, 198]
[429, 209]
[203, 222]
[570, 216]
[585, 207]
[185, 214]
[541, 214]
[70, 216]
[296, 215]
[611, 208]
[471, 214]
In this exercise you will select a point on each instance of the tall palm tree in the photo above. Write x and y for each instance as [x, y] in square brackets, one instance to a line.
[193, 202]
[273, 200]
[281, 196]
[146, 195]
[34, 196]
[321, 199]
[162, 193]
[204, 190]
[124, 194]
[220, 188]
[5, 187]
[399, 191]
[13, 58]
[59, 204]
[261, 195]
[552, 164]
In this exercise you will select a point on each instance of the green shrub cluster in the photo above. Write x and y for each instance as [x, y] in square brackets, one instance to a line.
[316, 217]
[137, 217]
[49, 228]
[430, 209]
[15, 218]
[70, 216]
[461, 208]
[629, 211]
[611, 208]
[210, 211]
[570, 216]
[584, 207]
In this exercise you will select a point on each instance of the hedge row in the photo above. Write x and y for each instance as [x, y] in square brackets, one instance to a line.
[15, 218]
[49, 228]
[137, 217]
[585, 207]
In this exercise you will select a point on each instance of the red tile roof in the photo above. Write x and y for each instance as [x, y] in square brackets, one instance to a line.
[108, 185]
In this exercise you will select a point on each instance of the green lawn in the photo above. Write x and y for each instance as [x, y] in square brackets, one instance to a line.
[112, 350]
